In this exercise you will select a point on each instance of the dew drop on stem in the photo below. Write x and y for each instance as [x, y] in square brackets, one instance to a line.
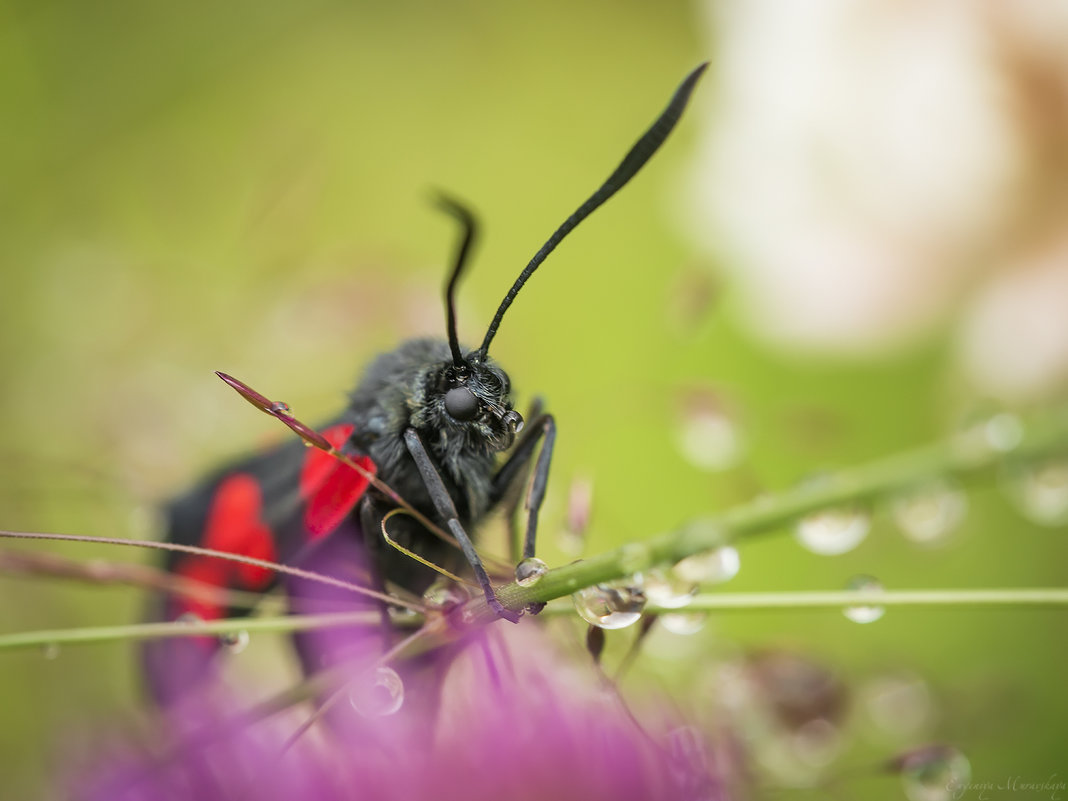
[864, 613]
[830, 532]
[610, 606]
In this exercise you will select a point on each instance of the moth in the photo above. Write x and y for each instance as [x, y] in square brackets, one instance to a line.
[434, 420]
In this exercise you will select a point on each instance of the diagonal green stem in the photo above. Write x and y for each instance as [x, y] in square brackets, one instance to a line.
[966, 456]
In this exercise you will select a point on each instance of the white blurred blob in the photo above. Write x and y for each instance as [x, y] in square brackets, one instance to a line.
[1016, 340]
[706, 433]
[899, 705]
[871, 165]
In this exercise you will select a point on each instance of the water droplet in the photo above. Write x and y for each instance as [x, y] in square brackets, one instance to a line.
[830, 532]
[235, 641]
[934, 773]
[514, 420]
[666, 589]
[610, 606]
[1041, 491]
[189, 618]
[445, 596]
[280, 407]
[684, 623]
[706, 435]
[378, 693]
[713, 566]
[929, 513]
[866, 613]
[50, 650]
[529, 571]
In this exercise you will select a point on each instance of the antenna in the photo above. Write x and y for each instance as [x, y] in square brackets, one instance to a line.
[470, 227]
[635, 159]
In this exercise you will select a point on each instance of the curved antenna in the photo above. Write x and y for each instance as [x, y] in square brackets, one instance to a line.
[470, 227]
[635, 159]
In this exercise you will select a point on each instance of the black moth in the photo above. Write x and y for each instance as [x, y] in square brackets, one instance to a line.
[431, 417]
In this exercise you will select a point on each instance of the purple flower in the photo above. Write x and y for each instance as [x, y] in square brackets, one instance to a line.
[508, 719]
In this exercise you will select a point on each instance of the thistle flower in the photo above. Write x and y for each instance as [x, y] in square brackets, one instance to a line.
[509, 720]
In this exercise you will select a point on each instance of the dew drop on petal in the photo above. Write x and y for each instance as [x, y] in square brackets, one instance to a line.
[864, 613]
[235, 641]
[529, 571]
[378, 693]
[713, 566]
[610, 606]
[830, 532]
[683, 623]
[50, 650]
[666, 589]
[929, 513]
[1040, 491]
[934, 773]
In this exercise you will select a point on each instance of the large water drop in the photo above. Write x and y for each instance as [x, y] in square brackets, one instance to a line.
[934, 773]
[529, 571]
[713, 566]
[929, 513]
[610, 606]
[683, 623]
[830, 532]
[1041, 491]
[235, 641]
[378, 693]
[864, 613]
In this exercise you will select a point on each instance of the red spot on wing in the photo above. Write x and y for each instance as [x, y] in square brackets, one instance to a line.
[330, 488]
[233, 526]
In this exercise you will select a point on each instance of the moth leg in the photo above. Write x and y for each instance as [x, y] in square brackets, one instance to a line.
[543, 433]
[446, 509]
[506, 491]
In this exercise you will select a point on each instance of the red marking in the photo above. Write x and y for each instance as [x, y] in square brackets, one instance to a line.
[233, 526]
[331, 488]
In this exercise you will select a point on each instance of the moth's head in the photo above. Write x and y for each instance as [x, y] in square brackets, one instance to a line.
[475, 397]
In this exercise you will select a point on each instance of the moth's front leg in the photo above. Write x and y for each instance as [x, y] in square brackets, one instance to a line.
[541, 432]
[446, 510]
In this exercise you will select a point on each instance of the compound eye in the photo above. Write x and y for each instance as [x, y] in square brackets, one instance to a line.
[461, 404]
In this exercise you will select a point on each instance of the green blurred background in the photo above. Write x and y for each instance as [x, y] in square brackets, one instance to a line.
[243, 187]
